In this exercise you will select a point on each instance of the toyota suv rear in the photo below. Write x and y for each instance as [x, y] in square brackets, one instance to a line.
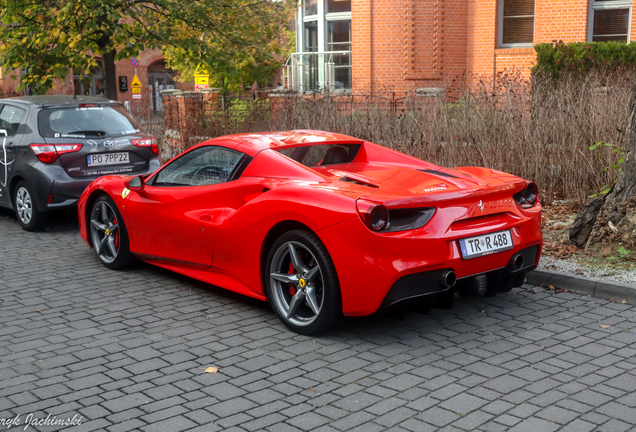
[52, 147]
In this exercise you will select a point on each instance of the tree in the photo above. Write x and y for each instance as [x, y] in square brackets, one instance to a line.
[612, 217]
[49, 37]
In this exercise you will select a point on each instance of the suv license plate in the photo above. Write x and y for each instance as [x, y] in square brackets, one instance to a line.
[107, 159]
[473, 247]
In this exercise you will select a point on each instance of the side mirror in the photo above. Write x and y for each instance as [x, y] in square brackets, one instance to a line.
[136, 183]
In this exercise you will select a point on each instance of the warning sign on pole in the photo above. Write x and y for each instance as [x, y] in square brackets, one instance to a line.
[136, 87]
[201, 80]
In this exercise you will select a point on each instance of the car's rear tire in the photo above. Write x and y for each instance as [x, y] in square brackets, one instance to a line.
[304, 292]
[26, 209]
[109, 235]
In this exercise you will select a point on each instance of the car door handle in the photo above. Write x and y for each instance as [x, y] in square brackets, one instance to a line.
[205, 217]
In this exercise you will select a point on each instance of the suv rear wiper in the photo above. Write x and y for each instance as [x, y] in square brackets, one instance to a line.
[88, 132]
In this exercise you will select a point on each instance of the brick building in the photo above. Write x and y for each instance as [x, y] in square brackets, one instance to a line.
[408, 44]
[152, 72]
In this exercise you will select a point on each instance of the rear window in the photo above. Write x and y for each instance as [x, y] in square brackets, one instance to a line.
[322, 154]
[81, 122]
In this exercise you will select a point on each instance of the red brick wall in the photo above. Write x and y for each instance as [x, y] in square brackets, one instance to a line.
[407, 44]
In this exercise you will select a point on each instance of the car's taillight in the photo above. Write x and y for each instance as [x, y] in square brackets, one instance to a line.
[378, 218]
[48, 153]
[147, 142]
[527, 198]
[374, 215]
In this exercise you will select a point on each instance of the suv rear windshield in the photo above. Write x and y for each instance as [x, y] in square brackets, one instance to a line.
[82, 122]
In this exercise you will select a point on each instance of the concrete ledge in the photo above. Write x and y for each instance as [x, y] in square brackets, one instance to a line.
[584, 285]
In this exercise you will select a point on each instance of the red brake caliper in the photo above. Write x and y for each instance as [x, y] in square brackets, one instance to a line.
[292, 288]
[116, 234]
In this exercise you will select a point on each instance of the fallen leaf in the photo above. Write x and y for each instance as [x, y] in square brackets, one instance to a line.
[558, 290]
[173, 311]
[550, 287]
[611, 299]
[567, 290]
[605, 326]
[542, 346]
[590, 302]
[212, 369]
[531, 291]
[624, 302]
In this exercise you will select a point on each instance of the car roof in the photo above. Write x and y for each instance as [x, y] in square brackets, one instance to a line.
[59, 101]
[252, 143]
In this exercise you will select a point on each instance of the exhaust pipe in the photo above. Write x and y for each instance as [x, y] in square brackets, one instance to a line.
[449, 278]
[516, 262]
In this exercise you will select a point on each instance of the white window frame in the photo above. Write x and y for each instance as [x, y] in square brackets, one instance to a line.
[607, 5]
[322, 19]
[500, 12]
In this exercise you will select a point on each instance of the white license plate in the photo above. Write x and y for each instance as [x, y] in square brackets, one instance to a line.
[486, 244]
[107, 159]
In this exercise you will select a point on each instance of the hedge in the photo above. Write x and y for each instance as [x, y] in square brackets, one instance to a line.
[553, 58]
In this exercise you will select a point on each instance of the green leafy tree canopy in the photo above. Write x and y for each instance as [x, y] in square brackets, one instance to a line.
[239, 40]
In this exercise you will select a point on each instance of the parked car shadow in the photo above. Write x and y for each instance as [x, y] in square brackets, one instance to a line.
[63, 220]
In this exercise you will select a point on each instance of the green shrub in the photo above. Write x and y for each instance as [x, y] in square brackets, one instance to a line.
[554, 58]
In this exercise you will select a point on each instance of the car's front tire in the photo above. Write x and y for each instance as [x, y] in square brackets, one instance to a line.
[26, 209]
[109, 235]
[302, 284]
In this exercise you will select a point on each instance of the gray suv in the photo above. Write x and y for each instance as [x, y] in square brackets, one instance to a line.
[52, 147]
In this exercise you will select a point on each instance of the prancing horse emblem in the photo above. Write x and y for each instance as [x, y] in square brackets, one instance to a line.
[481, 206]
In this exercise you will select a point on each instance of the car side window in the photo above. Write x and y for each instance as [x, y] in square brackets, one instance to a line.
[204, 166]
[10, 119]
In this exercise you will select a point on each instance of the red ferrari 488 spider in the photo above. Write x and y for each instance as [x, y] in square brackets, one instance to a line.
[319, 224]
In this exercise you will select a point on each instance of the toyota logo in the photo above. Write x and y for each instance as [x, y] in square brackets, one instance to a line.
[108, 144]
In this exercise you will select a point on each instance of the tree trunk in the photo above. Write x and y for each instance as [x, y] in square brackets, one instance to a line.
[615, 219]
[110, 81]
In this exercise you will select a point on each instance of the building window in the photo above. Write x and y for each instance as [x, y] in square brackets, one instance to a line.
[516, 23]
[334, 6]
[311, 7]
[311, 36]
[339, 39]
[609, 21]
[323, 41]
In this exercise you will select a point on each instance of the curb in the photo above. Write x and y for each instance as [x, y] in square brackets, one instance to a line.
[598, 288]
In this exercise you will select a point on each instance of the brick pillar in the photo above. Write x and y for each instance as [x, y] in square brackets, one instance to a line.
[279, 103]
[210, 100]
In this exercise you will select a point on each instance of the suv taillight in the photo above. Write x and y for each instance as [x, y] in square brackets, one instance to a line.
[48, 153]
[147, 142]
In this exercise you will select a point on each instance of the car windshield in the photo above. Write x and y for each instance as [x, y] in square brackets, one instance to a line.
[81, 122]
[322, 154]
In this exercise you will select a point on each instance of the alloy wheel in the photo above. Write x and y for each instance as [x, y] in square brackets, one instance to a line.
[297, 283]
[105, 232]
[24, 205]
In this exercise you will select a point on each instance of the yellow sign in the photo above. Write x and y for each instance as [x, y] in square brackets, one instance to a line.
[135, 83]
[202, 79]
[125, 192]
[136, 90]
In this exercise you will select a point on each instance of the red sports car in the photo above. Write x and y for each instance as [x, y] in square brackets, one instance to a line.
[319, 224]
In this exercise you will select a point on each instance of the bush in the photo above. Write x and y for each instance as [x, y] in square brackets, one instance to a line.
[556, 58]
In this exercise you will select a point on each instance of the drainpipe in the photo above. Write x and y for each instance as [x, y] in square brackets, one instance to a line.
[371, 44]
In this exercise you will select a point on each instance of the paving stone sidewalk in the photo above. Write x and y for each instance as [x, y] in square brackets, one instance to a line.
[128, 351]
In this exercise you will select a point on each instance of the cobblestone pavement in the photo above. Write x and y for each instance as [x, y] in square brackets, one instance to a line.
[129, 350]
